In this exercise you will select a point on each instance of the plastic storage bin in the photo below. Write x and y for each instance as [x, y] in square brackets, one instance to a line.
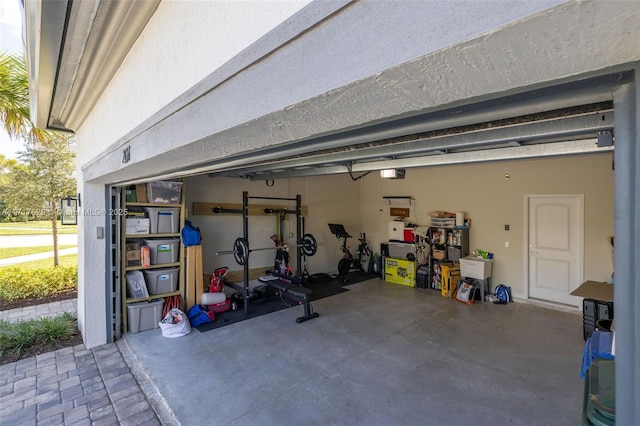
[163, 280]
[143, 316]
[163, 220]
[136, 285]
[164, 192]
[163, 250]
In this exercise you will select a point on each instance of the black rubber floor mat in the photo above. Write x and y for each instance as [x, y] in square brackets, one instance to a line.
[319, 291]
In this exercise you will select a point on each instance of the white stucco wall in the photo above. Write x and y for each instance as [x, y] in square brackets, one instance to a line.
[310, 55]
[183, 43]
[92, 263]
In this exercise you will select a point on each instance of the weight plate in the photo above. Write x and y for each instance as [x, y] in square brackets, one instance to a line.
[241, 251]
[309, 245]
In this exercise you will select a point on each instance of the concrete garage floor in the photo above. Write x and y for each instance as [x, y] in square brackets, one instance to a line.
[380, 354]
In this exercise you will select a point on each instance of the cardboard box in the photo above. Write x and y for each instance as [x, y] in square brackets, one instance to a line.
[132, 254]
[141, 193]
[594, 290]
[399, 271]
[450, 274]
[137, 226]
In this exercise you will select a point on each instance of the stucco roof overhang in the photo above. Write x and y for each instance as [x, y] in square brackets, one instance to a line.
[73, 50]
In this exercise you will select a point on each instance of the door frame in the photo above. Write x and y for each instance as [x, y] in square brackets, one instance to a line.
[525, 252]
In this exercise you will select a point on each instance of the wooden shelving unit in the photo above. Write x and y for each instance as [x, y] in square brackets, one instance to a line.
[125, 238]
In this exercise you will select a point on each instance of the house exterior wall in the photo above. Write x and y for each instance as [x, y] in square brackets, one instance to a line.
[302, 62]
[93, 294]
[180, 99]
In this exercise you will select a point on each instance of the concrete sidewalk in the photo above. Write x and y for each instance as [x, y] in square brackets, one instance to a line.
[52, 309]
[75, 385]
[36, 256]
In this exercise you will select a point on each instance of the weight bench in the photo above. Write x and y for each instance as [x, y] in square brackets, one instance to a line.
[295, 294]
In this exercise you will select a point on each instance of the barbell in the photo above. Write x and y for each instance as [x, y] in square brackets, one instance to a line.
[241, 248]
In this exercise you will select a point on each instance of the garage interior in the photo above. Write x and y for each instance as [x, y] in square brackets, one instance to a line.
[483, 106]
[369, 356]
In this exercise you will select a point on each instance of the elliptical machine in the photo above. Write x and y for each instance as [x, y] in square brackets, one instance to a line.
[348, 261]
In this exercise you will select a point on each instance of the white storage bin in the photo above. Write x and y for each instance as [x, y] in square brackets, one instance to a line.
[163, 220]
[163, 250]
[136, 285]
[143, 316]
[163, 280]
[475, 267]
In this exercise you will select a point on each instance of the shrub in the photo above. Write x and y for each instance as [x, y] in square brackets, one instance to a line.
[43, 332]
[17, 283]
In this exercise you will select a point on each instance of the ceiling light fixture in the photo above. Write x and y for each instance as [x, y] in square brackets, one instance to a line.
[392, 173]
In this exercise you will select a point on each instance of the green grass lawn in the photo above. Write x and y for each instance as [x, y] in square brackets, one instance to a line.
[41, 227]
[68, 260]
[22, 251]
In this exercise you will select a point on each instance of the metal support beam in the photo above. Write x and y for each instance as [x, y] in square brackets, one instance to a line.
[587, 146]
[585, 125]
[627, 252]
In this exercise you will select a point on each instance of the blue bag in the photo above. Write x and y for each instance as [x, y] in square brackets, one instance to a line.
[198, 315]
[503, 295]
[190, 235]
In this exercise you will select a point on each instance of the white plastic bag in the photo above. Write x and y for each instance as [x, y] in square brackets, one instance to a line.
[175, 324]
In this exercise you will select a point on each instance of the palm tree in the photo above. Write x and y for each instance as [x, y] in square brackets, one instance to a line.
[14, 101]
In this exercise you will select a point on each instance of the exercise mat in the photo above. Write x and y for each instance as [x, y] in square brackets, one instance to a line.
[319, 291]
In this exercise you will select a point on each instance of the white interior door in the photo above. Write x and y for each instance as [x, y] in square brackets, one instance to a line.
[555, 246]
